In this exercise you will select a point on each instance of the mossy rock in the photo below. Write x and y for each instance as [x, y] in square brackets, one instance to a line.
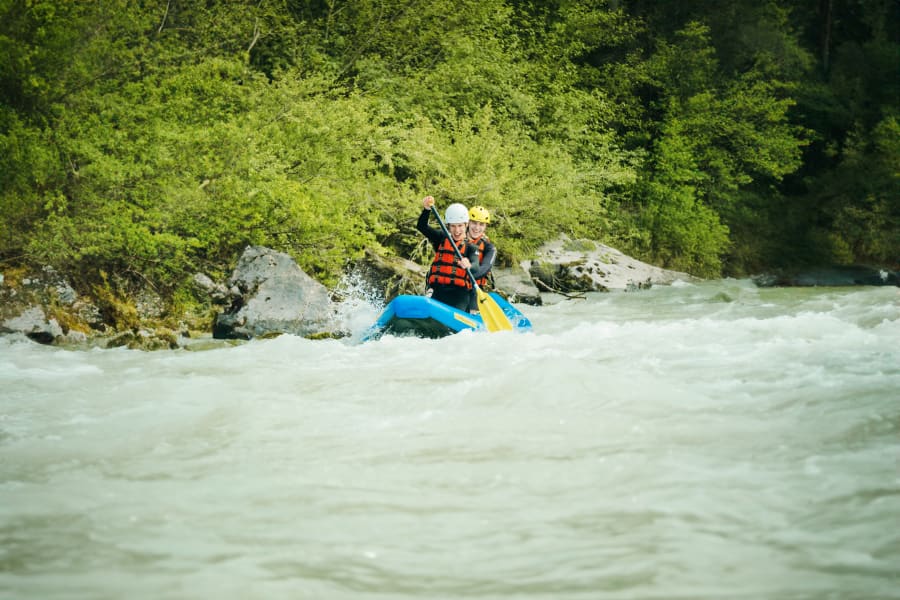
[160, 339]
[562, 278]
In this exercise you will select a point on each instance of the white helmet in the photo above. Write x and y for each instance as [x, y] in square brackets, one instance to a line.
[456, 213]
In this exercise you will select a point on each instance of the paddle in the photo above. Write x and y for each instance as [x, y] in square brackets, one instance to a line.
[491, 313]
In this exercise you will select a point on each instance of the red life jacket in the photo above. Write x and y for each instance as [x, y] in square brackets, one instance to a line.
[444, 270]
[479, 243]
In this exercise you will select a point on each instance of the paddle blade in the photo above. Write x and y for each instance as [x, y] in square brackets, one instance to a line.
[491, 313]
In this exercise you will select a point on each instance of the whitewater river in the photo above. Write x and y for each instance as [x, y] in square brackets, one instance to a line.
[697, 441]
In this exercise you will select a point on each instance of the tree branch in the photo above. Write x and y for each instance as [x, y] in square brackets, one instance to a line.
[255, 36]
[165, 16]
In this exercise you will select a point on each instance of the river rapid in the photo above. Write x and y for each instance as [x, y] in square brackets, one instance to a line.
[715, 440]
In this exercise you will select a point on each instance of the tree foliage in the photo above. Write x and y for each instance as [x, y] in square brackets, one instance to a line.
[143, 142]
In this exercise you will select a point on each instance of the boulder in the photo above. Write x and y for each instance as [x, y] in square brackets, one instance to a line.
[516, 285]
[142, 339]
[275, 296]
[566, 266]
[34, 324]
[31, 304]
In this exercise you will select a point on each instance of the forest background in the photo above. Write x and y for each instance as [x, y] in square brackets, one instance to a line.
[144, 141]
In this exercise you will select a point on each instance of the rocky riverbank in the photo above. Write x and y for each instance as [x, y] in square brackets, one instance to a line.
[269, 294]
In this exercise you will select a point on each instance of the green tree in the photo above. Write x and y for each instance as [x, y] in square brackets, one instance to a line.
[847, 193]
[716, 137]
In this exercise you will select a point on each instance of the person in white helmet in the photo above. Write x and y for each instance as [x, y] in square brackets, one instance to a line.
[448, 278]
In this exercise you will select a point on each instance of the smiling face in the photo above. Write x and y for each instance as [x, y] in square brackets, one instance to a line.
[457, 231]
[476, 229]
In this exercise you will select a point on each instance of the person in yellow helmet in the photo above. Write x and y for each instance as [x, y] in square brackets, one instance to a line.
[448, 278]
[479, 219]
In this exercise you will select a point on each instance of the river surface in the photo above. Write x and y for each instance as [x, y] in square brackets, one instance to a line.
[695, 441]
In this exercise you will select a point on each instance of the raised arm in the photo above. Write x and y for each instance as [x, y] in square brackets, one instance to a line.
[435, 236]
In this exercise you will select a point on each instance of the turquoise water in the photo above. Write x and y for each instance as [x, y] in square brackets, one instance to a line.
[694, 441]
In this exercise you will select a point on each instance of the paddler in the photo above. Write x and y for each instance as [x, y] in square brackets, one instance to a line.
[479, 219]
[448, 280]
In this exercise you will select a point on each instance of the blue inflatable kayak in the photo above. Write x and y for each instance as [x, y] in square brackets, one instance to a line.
[423, 317]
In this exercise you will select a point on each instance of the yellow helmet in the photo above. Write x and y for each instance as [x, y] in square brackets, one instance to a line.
[480, 214]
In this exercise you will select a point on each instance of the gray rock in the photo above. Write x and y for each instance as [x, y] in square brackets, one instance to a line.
[43, 288]
[516, 284]
[217, 292]
[120, 339]
[149, 304]
[73, 338]
[24, 309]
[567, 266]
[275, 296]
[65, 293]
[154, 340]
[88, 313]
[34, 324]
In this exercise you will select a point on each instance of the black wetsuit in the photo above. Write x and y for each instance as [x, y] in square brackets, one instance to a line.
[481, 270]
[453, 295]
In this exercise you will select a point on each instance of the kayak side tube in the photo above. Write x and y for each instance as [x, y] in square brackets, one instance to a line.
[423, 317]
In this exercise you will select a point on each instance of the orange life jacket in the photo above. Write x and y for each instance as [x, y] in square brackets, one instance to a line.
[444, 270]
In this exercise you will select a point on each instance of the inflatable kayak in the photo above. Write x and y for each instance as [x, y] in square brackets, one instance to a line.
[423, 317]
